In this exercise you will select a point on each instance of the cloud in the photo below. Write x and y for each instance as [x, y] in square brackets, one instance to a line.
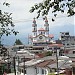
[23, 18]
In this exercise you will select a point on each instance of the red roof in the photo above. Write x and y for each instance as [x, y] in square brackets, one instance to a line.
[57, 45]
[41, 29]
[51, 35]
[45, 63]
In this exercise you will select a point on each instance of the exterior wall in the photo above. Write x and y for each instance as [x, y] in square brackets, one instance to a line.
[41, 40]
[67, 40]
[73, 70]
[31, 71]
[72, 51]
[36, 71]
[68, 72]
[42, 71]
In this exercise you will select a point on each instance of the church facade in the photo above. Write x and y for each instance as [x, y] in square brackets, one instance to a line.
[40, 36]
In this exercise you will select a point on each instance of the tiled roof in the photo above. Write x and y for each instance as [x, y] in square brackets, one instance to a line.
[56, 45]
[45, 63]
[51, 35]
[62, 64]
[31, 62]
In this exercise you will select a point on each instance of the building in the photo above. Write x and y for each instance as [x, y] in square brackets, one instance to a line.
[40, 37]
[67, 40]
[46, 66]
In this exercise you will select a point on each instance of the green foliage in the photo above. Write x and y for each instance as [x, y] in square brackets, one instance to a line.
[5, 3]
[44, 7]
[18, 42]
[6, 24]
[54, 74]
[48, 53]
[3, 51]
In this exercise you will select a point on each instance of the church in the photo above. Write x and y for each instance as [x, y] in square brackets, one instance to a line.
[41, 36]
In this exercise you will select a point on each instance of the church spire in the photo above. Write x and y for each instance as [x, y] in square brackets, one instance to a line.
[34, 21]
[34, 27]
[46, 25]
[46, 19]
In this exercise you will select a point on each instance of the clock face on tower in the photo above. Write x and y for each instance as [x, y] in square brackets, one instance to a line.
[40, 37]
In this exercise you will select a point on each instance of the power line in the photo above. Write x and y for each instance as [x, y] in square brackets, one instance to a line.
[40, 18]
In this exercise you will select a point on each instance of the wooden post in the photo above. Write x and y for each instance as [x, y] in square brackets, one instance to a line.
[57, 61]
[14, 65]
[18, 63]
[24, 65]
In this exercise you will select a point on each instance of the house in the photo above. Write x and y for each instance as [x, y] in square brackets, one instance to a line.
[67, 40]
[45, 66]
[30, 67]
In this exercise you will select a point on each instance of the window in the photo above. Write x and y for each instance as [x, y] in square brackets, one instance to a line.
[67, 33]
[73, 70]
[23, 71]
[67, 44]
[63, 44]
[73, 52]
[42, 71]
[62, 36]
[41, 33]
[40, 37]
[72, 43]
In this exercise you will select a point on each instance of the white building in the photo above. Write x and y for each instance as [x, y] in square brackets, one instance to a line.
[46, 66]
[30, 67]
[40, 36]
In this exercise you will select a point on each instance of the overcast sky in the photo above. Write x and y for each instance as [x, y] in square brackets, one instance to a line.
[22, 18]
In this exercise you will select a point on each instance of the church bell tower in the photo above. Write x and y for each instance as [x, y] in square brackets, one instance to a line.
[34, 28]
[46, 25]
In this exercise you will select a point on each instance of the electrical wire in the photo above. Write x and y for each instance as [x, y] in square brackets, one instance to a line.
[40, 18]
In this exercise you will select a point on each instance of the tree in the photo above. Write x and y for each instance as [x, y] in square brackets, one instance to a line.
[18, 42]
[44, 7]
[49, 53]
[3, 51]
[6, 24]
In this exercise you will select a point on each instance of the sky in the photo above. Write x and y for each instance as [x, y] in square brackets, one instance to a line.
[22, 19]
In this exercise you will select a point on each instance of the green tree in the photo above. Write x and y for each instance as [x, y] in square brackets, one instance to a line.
[6, 23]
[44, 7]
[18, 42]
[49, 53]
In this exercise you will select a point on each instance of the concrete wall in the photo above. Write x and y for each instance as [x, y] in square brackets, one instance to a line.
[31, 71]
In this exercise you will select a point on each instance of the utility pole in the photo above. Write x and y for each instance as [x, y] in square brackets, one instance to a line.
[18, 63]
[14, 65]
[57, 61]
[24, 65]
[8, 62]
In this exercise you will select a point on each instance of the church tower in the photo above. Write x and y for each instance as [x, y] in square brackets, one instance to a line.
[34, 28]
[46, 25]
